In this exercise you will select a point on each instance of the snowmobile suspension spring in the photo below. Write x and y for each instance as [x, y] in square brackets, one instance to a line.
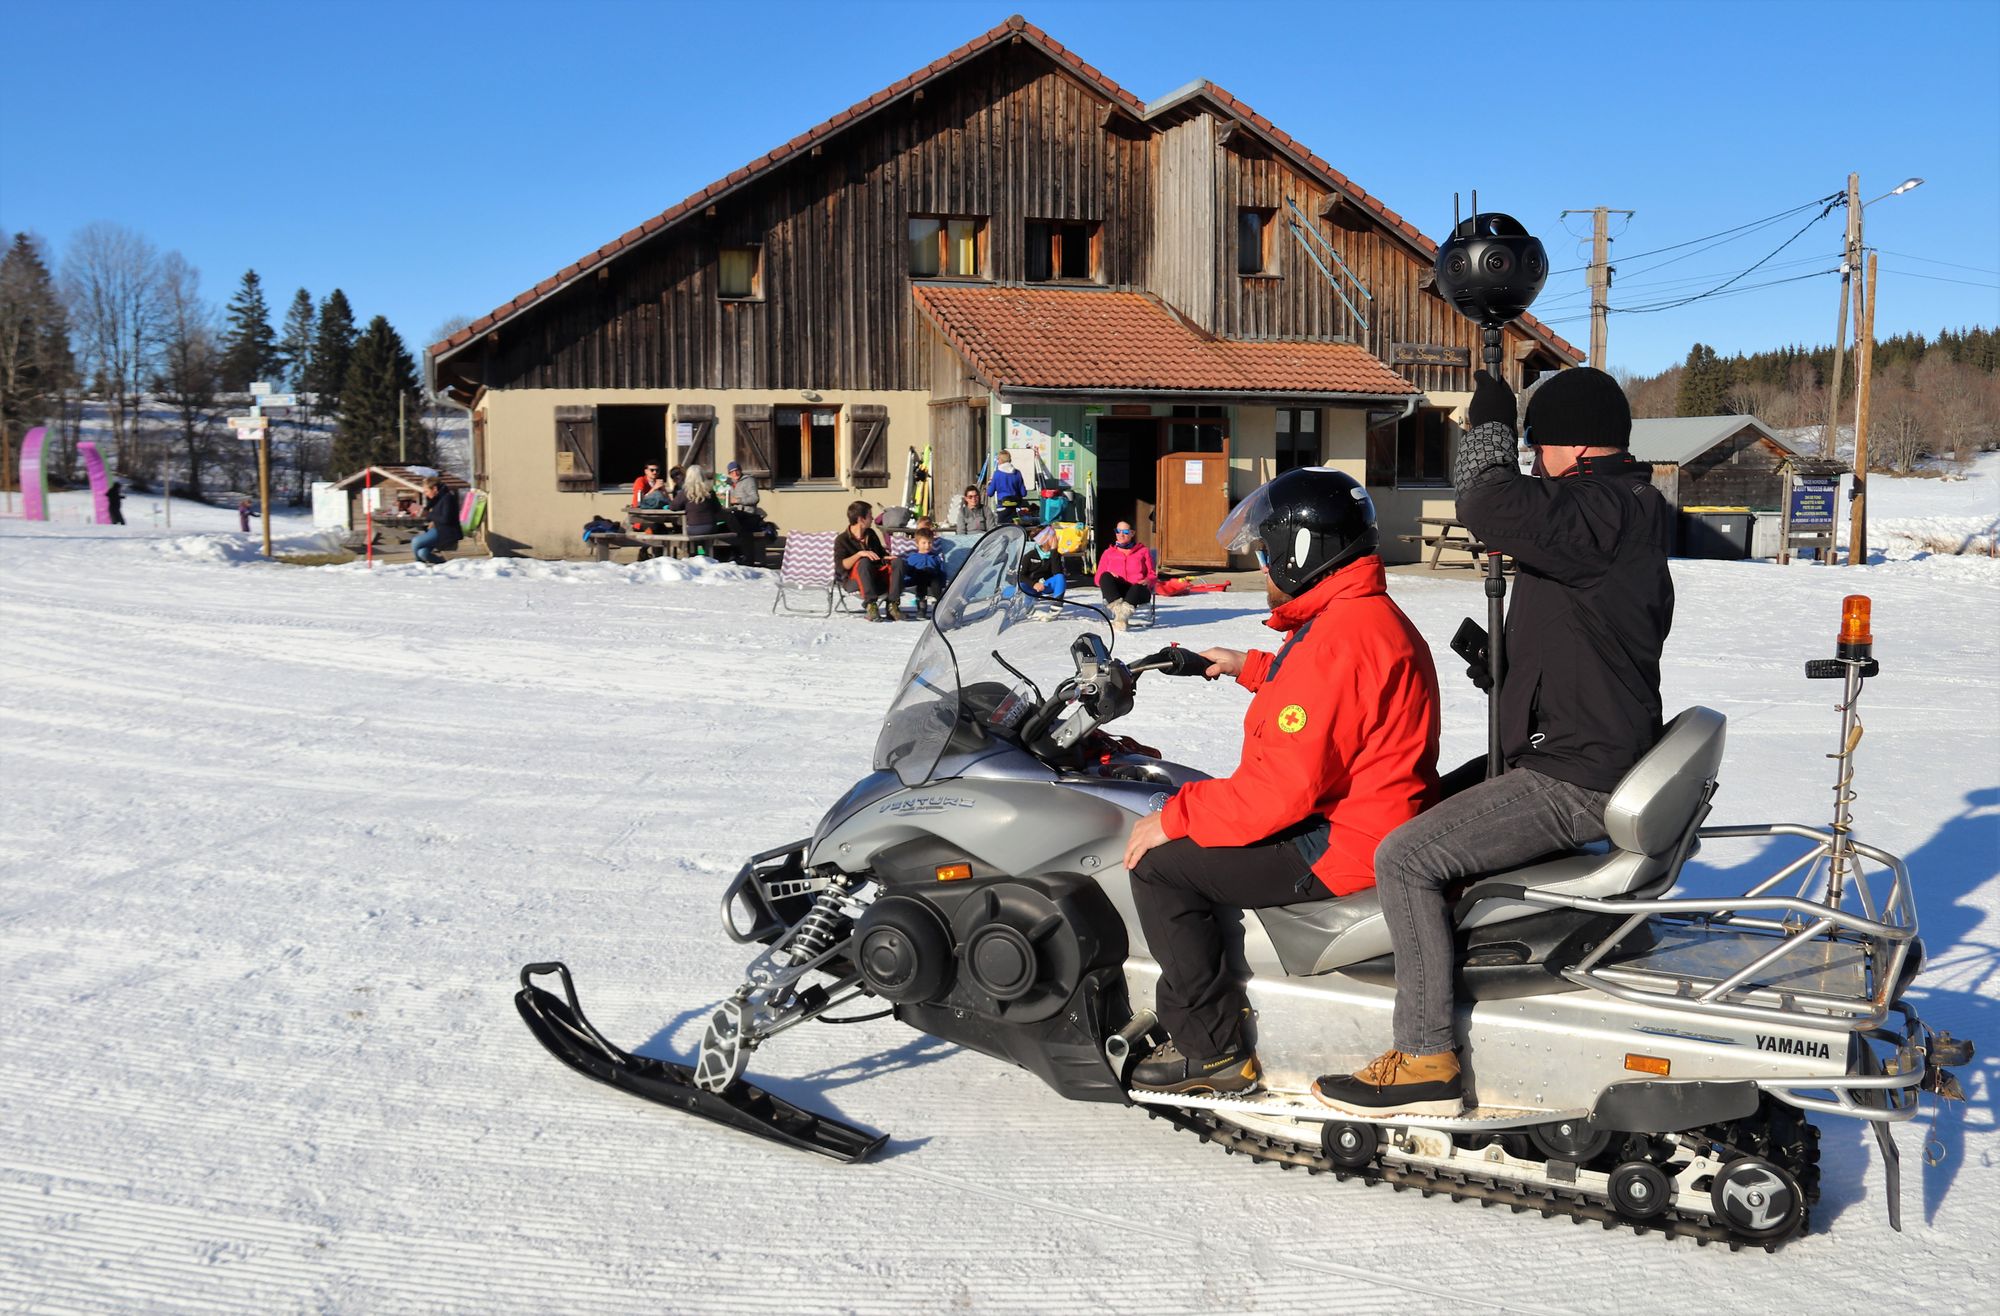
[816, 930]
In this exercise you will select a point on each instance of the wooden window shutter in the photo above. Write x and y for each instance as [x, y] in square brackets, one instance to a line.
[701, 449]
[870, 467]
[753, 440]
[576, 449]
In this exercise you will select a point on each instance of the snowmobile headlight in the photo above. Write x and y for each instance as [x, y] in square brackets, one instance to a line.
[1648, 1064]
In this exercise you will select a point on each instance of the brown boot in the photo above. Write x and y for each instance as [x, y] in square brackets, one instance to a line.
[1397, 1084]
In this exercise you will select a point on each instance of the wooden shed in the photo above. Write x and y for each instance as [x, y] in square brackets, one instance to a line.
[394, 488]
[1714, 461]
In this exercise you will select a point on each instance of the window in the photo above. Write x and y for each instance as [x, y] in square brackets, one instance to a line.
[1298, 438]
[1423, 450]
[1197, 429]
[740, 273]
[1253, 239]
[629, 439]
[1061, 249]
[806, 444]
[947, 246]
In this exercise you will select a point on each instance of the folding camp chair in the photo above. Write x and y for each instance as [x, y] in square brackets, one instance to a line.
[808, 568]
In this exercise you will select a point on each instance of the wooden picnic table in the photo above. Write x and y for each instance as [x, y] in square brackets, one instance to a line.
[1446, 532]
[656, 519]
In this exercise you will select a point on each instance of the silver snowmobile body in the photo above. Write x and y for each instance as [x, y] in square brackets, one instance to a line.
[1636, 1057]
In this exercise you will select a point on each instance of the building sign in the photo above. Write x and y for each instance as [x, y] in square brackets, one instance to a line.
[1428, 354]
[1813, 502]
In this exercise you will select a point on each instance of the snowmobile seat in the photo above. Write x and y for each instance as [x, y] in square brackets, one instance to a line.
[1647, 816]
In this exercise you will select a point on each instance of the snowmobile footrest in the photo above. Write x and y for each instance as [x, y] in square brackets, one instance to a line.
[558, 1023]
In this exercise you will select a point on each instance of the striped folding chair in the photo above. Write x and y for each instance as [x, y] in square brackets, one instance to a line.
[808, 569]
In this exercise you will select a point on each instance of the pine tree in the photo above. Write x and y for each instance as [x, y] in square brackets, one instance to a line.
[295, 346]
[1704, 382]
[35, 360]
[249, 346]
[333, 345]
[379, 373]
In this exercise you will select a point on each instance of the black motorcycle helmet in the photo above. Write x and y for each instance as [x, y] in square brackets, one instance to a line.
[1307, 524]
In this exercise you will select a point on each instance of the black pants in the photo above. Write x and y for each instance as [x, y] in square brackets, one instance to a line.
[874, 579]
[1177, 887]
[925, 583]
[1116, 590]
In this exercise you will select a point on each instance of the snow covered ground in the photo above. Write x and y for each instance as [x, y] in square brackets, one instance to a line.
[274, 842]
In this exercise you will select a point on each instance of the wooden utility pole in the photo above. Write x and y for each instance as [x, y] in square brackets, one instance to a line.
[1850, 260]
[1598, 276]
[1864, 371]
[264, 484]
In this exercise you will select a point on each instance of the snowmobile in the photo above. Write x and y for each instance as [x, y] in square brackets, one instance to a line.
[1639, 1059]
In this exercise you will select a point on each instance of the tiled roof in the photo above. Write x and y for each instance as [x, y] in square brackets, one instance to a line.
[1012, 28]
[1073, 338]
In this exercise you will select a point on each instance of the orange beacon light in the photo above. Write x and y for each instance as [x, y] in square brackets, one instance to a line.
[1856, 638]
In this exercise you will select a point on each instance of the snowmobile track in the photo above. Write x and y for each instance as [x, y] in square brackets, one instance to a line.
[1461, 1187]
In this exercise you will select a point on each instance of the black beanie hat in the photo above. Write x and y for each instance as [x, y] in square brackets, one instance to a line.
[1582, 408]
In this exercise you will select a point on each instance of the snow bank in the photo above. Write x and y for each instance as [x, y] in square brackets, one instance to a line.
[695, 571]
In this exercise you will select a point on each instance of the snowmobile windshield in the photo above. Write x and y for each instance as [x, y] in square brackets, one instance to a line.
[989, 658]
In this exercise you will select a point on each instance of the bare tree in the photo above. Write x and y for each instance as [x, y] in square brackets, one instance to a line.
[111, 281]
[1952, 389]
[1899, 424]
[190, 367]
[1748, 397]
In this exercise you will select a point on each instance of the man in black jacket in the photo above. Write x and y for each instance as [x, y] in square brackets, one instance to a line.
[1579, 703]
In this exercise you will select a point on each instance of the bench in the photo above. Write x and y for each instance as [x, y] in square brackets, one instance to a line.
[1442, 532]
[678, 546]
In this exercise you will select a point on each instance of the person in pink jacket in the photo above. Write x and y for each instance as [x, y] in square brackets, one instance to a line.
[1126, 574]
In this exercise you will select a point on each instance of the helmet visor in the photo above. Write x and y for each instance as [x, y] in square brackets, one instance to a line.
[1241, 530]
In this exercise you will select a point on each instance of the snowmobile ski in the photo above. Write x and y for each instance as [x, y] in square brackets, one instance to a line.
[560, 1025]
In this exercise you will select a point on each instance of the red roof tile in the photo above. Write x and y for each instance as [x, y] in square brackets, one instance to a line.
[1013, 28]
[1068, 338]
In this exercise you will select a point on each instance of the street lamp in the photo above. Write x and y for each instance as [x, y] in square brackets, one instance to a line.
[1897, 190]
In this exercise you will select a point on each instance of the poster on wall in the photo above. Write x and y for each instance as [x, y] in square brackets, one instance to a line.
[1066, 472]
[1031, 441]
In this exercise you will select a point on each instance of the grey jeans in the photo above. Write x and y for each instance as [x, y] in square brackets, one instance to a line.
[1506, 821]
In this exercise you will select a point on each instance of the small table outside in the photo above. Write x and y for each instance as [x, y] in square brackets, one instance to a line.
[1442, 532]
[656, 520]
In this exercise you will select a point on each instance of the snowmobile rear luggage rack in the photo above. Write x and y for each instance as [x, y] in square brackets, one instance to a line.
[560, 1026]
[1778, 984]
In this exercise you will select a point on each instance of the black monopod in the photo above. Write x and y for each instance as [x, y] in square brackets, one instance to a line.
[1491, 269]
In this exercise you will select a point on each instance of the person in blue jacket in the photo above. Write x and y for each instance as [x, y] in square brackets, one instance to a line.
[1006, 484]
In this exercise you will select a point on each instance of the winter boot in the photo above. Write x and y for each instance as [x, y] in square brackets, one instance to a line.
[1121, 615]
[1397, 1084]
[873, 613]
[1167, 1070]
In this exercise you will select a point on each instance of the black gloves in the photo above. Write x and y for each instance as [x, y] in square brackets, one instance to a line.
[1492, 402]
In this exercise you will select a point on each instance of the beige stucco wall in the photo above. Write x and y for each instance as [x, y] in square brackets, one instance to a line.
[529, 515]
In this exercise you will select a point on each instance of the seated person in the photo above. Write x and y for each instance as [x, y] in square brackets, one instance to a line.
[656, 497]
[971, 516]
[702, 514]
[1041, 567]
[923, 570]
[1126, 575]
[1339, 748]
[642, 486]
[865, 564]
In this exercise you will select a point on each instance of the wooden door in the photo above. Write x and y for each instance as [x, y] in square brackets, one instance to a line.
[1193, 500]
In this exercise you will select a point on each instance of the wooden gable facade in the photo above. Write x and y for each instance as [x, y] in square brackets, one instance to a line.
[1010, 131]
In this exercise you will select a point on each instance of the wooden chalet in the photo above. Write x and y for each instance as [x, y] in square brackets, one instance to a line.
[1174, 300]
[1715, 461]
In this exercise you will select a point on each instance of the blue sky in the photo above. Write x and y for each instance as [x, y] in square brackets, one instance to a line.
[434, 157]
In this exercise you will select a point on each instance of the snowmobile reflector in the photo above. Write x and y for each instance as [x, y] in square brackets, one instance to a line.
[1648, 1064]
[1854, 620]
[953, 872]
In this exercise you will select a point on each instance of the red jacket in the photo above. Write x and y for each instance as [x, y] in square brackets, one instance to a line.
[1344, 726]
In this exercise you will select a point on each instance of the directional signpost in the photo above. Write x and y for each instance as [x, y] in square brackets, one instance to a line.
[256, 428]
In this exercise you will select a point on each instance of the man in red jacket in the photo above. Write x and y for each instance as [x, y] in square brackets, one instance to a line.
[1339, 749]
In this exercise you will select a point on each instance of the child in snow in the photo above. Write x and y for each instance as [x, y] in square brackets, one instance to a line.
[923, 570]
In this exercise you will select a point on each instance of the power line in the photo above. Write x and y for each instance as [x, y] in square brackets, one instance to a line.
[1904, 255]
[1685, 301]
[1685, 280]
[1939, 278]
[1733, 292]
[1755, 223]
